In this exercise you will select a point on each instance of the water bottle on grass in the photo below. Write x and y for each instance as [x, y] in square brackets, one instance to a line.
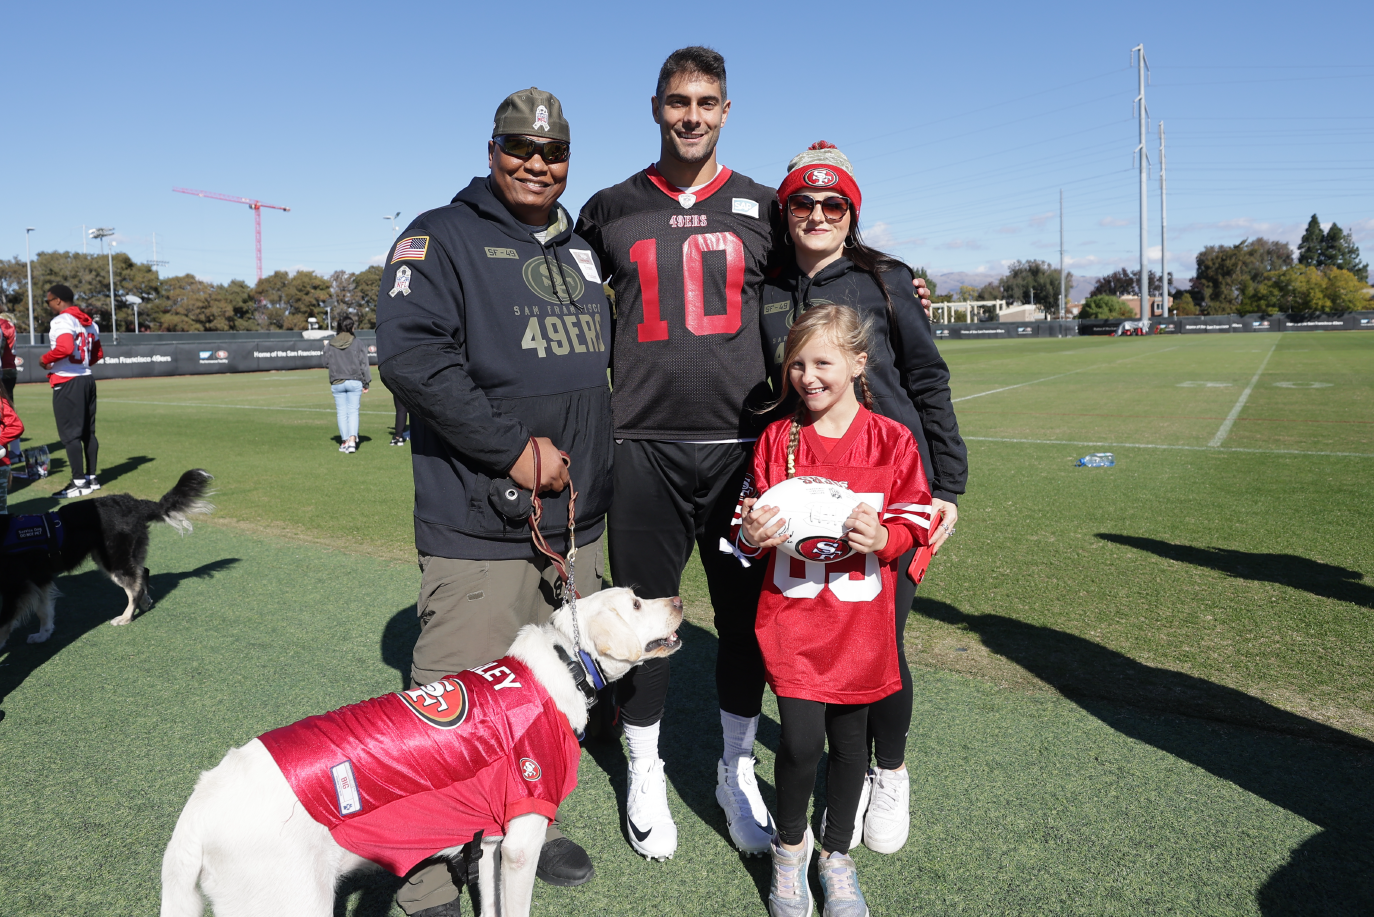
[1097, 460]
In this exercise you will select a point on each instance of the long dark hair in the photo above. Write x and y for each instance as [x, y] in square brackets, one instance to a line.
[345, 324]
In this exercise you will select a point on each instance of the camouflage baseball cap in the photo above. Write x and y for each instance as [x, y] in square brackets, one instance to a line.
[534, 113]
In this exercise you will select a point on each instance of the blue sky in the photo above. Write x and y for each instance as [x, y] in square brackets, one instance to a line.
[963, 120]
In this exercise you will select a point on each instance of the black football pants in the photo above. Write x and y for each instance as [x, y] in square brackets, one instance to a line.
[668, 497]
[73, 407]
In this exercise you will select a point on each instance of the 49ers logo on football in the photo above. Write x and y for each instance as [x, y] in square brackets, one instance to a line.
[824, 550]
[529, 769]
[442, 704]
[820, 178]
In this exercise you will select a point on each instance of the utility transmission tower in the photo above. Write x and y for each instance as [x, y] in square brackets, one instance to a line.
[1144, 175]
[153, 262]
[1063, 294]
[257, 214]
[1163, 231]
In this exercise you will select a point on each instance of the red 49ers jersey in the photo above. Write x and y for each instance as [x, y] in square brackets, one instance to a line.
[687, 270]
[398, 778]
[828, 632]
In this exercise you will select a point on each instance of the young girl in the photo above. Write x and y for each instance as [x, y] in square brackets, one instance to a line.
[827, 631]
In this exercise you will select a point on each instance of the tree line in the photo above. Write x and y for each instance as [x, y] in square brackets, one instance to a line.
[278, 302]
[1254, 275]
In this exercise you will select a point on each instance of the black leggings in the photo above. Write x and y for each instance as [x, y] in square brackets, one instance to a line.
[806, 724]
[889, 720]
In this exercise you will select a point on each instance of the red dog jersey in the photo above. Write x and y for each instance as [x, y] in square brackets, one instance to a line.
[398, 778]
[828, 632]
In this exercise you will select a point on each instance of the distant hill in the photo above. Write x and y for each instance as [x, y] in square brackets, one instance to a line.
[949, 282]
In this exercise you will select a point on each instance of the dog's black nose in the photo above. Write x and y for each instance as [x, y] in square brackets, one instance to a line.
[677, 602]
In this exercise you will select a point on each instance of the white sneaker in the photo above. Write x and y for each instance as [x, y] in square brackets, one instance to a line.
[343, 447]
[74, 489]
[888, 822]
[92, 483]
[751, 827]
[864, 795]
[652, 831]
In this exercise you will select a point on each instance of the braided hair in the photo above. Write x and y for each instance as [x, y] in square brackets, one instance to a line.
[847, 330]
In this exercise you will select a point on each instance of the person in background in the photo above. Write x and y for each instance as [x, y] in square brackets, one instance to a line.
[400, 435]
[9, 372]
[74, 346]
[10, 429]
[350, 374]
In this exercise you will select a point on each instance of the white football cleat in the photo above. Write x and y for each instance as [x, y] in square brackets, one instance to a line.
[751, 827]
[647, 819]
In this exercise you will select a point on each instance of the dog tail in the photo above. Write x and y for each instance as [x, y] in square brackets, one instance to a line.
[181, 872]
[187, 498]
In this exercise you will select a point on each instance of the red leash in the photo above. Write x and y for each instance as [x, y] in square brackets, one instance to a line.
[564, 567]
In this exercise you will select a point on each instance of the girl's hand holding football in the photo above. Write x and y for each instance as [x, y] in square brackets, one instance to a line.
[756, 528]
[864, 530]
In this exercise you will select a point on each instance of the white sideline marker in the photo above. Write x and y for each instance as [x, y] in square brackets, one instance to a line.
[245, 407]
[1230, 420]
[1071, 442]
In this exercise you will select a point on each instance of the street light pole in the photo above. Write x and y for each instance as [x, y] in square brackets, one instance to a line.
[29, 264]
[114, 325]
[102, 233]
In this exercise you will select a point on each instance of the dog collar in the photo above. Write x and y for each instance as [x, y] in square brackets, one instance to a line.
[584, 671]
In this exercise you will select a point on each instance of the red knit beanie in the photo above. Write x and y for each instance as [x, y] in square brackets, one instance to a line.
[822, 167]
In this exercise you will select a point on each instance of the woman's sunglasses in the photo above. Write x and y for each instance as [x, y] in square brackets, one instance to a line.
[551, 151]
[803, 205]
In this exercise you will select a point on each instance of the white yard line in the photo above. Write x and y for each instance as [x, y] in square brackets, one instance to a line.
[245, 407]
[1070, 442]
[1230, 420]
[1062, 375]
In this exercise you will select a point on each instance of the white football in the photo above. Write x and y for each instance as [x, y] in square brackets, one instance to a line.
[815, 510]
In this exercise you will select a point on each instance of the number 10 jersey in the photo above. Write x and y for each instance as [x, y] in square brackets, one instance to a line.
[686, 269]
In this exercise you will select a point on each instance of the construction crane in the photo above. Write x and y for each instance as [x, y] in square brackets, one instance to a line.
[257, 214]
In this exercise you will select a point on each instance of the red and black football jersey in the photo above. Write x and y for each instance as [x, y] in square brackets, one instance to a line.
[686, 362]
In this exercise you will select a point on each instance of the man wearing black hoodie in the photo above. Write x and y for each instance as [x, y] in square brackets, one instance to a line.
[492, 329]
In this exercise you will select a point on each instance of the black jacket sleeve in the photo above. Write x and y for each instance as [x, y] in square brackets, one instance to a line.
[925, 376]
[421, 351]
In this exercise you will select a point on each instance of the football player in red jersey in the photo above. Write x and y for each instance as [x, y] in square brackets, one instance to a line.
[684, 244]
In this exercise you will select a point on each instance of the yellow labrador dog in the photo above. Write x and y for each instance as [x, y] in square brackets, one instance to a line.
[487, 753]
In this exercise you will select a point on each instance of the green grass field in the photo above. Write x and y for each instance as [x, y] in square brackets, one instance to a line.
[1145, 689]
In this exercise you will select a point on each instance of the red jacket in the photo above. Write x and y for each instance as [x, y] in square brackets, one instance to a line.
[7, 346]
[828, 632]
[11, 428]
[398, 778]
[75, 341]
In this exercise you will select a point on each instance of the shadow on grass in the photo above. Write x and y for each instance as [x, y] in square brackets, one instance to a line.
[375, 888]
[115, 472]
[1323, 777]
[88, 600]
[1326, 580]
[398, 642]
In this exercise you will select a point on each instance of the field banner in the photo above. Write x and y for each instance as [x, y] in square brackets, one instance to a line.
[1005, 330]
[132, 358]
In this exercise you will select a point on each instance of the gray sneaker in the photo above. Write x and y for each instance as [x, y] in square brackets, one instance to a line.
[840, 883]
[789, 894]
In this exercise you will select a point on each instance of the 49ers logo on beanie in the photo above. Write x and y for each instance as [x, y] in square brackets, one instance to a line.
[442, 704]
[820, 178]
[821, 166]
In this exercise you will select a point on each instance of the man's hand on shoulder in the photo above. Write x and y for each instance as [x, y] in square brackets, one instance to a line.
[922, 293]
[553, 473]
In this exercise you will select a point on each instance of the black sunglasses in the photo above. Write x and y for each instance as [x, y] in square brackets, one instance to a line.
[551, 151]
[834, 207]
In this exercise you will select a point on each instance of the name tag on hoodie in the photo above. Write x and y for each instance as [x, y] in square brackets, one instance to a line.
[586, 263]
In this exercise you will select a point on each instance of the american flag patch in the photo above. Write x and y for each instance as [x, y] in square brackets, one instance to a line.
[413, 248]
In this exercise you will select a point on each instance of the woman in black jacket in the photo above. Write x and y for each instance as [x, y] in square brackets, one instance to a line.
[909, 382]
